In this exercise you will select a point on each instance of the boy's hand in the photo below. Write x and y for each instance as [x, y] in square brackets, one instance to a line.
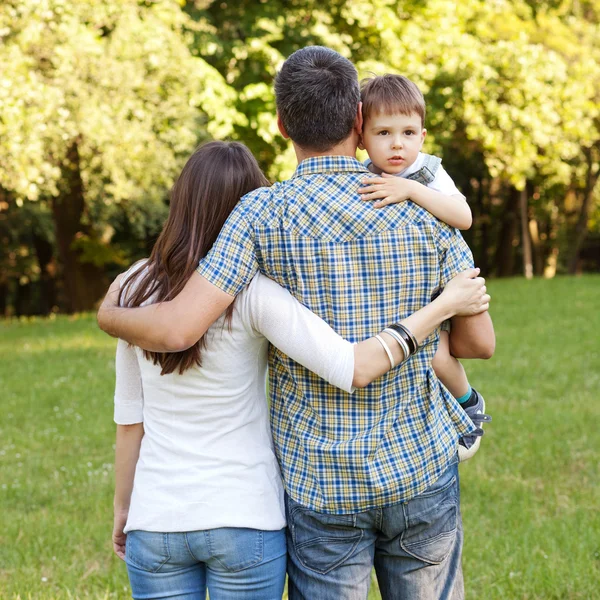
[387, 189]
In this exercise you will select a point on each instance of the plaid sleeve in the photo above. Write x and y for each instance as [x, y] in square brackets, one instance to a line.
[455, 255]
[231, 262]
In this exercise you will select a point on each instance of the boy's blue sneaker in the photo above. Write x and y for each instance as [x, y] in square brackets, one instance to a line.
[469, 444]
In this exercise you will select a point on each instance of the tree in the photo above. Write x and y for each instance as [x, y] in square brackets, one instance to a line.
[99, 105]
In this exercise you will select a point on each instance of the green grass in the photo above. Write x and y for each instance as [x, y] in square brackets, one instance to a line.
[529, 499]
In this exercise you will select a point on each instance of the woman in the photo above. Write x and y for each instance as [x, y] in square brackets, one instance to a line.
[199, 498]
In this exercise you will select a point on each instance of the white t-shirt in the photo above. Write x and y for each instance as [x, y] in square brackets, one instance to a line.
[442, 182]
[207, 458]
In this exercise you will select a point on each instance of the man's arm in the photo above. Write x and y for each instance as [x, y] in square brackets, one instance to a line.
[178, 324]
[170, 326]
[473, 337]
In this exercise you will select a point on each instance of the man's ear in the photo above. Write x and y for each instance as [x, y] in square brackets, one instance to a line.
[282, 128]
[358, 123]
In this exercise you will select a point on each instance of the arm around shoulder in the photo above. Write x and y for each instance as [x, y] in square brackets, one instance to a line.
[170, 326]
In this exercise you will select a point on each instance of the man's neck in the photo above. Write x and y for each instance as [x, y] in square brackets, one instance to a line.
[346, 148]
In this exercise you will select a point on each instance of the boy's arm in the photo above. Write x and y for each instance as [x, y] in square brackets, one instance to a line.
[389, 189]
[452, 210]
[179, 323]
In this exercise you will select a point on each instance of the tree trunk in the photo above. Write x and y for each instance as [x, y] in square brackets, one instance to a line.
[506, 239]
[23, 304]
[525, 239]
[83, 283]
[3, 299]
[537, 247]
[45, 258]
[482, 222]
[551, 263]
[581, 229]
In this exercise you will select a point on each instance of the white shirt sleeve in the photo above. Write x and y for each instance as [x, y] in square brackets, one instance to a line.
[299, 333]
[444, 184]
[129, 394]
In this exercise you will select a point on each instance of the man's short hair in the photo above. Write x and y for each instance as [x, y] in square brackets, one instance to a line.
[317, 95]
[391, 94]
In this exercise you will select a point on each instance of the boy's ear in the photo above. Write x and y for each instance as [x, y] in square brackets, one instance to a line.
[423, 134]
[282, 128]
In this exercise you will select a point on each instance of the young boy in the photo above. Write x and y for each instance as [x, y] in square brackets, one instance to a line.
[393, 134]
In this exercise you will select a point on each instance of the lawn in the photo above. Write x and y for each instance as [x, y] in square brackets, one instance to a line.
[530, 498]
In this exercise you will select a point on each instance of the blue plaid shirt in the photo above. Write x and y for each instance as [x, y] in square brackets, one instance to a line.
[360, 269]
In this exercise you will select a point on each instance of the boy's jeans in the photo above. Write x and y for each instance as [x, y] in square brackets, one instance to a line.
[415, 547]
[234, 563]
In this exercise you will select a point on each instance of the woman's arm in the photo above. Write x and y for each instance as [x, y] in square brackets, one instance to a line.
[310, 341]
[466, 294]
[127, 451]
[129, 404]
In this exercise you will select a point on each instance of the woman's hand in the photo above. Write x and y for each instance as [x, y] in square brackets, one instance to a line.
[118, 537]
[466, 294]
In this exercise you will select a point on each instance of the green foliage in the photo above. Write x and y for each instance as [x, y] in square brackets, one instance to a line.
[512, 90]
[119, 80]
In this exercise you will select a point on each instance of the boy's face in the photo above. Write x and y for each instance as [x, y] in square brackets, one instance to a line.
[393, 141]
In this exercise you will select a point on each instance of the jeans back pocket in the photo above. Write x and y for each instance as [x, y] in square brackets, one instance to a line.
[322, 541]
[236, 548]
[147, 550]
[432, 520]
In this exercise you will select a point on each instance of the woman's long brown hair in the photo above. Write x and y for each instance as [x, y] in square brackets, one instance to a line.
[214, 178]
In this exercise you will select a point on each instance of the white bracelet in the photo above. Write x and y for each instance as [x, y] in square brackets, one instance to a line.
[387, 350]
[403, 345]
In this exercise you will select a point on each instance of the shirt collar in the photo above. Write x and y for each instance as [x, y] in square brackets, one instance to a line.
[329, 164]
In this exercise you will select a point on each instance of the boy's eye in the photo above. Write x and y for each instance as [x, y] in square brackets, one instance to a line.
[409, 132]
[383, 132]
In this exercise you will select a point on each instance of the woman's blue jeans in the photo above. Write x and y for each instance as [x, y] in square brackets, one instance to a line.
[233, 563]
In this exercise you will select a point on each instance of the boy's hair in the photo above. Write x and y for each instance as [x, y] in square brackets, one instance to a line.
[317, 95]
[391, 94]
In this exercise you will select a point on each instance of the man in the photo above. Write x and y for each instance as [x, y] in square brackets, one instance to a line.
[371, 478]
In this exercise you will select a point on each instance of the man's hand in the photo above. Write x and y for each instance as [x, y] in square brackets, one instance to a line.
[110, 303]
[112, 296]
[387, 189]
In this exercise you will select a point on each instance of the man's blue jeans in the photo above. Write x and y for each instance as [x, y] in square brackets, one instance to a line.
[234, 563]
[415, 547]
